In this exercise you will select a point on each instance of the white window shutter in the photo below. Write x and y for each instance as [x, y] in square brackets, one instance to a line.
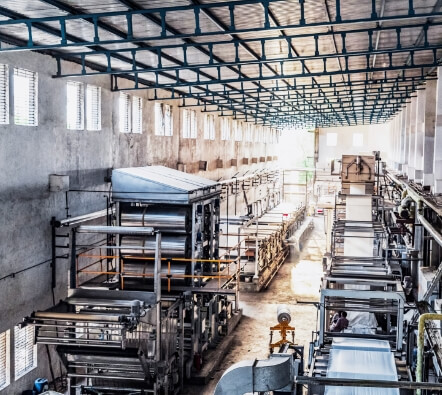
[24, 350]
[186, 120]
[93, 107]
[124, 104]
[75, 105]
[4, 96]
[5, 378]
[25, 97]
[159, 120]
[137, 115]
[193, 126]
[168, 121]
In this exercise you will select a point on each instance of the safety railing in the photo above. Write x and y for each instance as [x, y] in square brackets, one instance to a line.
[225, 272]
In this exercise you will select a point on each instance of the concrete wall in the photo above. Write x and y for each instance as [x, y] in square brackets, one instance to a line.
[29, 154]
[375, 138]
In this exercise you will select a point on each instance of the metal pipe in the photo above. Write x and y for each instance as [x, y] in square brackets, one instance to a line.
[171, 221]
[433, 231]
[420, 343]
[176, 246]
[415, 196]
[83, 218]
[121, 230]
[52, 315]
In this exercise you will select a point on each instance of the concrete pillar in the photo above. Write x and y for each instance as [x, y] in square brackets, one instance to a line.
[430, 126]
[404, 140]
[420, 130]
[412, 137]
[394, 148]
[407, 131]
[398, 140]
[437, 185]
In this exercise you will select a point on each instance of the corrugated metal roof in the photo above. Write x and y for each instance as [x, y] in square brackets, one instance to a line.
[277, 69]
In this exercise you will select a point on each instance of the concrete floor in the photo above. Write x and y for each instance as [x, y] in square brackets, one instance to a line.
[297, 280]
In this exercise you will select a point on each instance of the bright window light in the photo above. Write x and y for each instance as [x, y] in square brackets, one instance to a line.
[358, 139]
[332, 139]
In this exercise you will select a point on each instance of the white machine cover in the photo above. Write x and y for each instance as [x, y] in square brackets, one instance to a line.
[361, 359]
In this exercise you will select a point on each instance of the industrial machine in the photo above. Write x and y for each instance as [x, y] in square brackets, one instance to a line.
[274, 374]
[148, 295]
[373, 272]
[261, 242]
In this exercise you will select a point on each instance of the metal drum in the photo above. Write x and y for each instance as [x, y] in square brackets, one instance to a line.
[172, 246]
[283, 314]
[144, 271]
[170, 220]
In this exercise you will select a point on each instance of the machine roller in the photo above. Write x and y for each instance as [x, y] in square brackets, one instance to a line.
[145, 270]
[166, 220]
[172, 246]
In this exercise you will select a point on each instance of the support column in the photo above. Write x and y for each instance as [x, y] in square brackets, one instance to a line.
[412, 137]
[407, 129]
[420, 131]
[430, 126]
[437, 185]
[402, 139]
[397, 140]
[392, 146]
[401, 124]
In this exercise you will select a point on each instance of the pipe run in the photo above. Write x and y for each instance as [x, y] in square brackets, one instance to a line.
[121, 230]
[420, 344]
[431, 229]
[419, 199]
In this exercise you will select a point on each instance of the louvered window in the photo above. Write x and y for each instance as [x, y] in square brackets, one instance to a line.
[277, 136]
[261, 134]
[4, 360]
[75, 105]
[168, 120]
[209, 127]
[125, 126]
[225, 128]
[137, 114]
[189, 124]
[93, 107]
[159, 119]
[4, 96]
[237, 130]
[249, 131]
[25, 351]
[163, 120]
[25, 97]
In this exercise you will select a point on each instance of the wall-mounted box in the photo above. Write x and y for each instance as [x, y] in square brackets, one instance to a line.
[262, 159]
[219, 164]
[245, 161]
[58, 183]
[254, 160]
[202, 165]
[233, 162]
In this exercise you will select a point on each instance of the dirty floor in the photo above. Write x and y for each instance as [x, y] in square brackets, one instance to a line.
[297, 281]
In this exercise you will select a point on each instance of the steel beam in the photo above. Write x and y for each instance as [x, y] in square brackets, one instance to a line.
[155, 84]
[192, 12]
[217, 65]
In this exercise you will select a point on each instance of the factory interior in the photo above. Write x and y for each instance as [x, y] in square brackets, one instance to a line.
[221, 197]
